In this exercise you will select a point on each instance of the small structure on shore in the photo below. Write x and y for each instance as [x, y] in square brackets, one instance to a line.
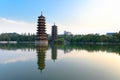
[41, 37]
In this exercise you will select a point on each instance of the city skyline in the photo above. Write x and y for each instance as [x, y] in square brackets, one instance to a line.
[76, 16]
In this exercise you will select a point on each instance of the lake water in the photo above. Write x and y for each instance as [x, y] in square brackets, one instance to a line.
[58, 62]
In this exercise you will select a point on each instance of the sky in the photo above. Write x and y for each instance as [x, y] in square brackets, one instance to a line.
[75, 16]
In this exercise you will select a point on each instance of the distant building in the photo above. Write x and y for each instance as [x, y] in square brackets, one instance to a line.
[67, 33]
[54, 33]
[110, 34]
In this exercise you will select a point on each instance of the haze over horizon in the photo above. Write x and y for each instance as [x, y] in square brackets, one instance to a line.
[76, 16]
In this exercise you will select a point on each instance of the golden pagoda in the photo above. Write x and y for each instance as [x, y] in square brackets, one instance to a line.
[41, 37]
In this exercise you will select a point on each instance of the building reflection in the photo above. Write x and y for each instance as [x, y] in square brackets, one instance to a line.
[41, 54]
[67, 49]
[54, 52]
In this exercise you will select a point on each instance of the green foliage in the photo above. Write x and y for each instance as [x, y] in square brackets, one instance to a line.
[17, 37]
[60, 40]
[89, 38]
[95, 38]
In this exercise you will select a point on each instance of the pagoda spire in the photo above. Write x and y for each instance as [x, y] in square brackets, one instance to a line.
[41, 13]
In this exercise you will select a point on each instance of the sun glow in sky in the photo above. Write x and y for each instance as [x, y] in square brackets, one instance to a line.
[76, 16]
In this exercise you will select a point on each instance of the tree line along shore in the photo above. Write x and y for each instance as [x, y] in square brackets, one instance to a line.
[73, 39]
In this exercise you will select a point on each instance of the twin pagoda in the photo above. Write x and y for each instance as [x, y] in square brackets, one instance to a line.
[41, 37]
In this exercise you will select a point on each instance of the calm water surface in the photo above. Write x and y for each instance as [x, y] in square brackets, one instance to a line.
[58, 62]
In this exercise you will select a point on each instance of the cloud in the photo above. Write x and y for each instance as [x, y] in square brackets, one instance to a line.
[8, 25]
[17, 59]
[16, 56]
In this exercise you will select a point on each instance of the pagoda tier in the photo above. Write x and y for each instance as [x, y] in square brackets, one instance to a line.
[41, 20]
[41, 32]
[41, 24]
[41, 28]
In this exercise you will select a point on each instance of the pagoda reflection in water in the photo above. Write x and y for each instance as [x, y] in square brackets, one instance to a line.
[54, 52]
[41, 53]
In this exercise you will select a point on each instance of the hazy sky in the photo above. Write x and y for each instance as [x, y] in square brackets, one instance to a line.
[76, 16]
